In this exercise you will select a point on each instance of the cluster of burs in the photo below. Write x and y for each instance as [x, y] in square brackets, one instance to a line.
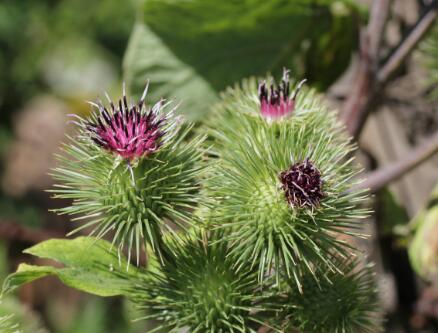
[247, 221]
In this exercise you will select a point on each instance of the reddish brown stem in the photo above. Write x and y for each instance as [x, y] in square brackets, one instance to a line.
[408, 44]
[363, 89]
[378, 179]
[369, 79]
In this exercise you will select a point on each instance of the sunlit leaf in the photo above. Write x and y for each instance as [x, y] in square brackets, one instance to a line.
[90, 265]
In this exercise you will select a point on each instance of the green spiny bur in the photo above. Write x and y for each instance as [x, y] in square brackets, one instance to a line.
[249, 153]
[118, 191]
[338, 303]
[200, 290]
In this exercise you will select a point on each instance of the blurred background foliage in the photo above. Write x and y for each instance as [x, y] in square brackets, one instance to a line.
[429, 50]
[72, 49]
[67, 51]
[55, 54]
[37, 36]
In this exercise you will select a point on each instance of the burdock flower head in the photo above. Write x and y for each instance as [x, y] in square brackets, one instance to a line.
[302, 184]
[280, 215]
[278, 102]
[130, 169]
[131, 131]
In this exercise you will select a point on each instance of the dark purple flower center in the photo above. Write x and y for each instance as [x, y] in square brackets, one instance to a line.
[129, 131]
[302, 184]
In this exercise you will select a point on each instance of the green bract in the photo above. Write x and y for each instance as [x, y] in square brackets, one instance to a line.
[7, 325]
[201, 291]
[249, 153]
[163, 187]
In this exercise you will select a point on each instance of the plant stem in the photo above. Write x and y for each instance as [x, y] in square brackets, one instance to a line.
[378, 179]
[363, 90]
[370, 79]
[408, 44]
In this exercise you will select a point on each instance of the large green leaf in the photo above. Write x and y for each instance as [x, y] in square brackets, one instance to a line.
[192, 49]
[90, 265]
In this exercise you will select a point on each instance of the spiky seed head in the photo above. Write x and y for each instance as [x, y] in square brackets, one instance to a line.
[282, 189]
[302, 184]
[201, 291]
[277, 102]
[339, 303]
[142, 173]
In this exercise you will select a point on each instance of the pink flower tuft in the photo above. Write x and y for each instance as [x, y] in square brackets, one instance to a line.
[130, 131]
[277, 102]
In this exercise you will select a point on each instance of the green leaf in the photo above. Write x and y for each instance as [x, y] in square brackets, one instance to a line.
[148, 57]
[193, 49]
[91, 266]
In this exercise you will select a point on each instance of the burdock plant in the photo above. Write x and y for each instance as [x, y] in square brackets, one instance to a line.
[263, 237]
[129, 171]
